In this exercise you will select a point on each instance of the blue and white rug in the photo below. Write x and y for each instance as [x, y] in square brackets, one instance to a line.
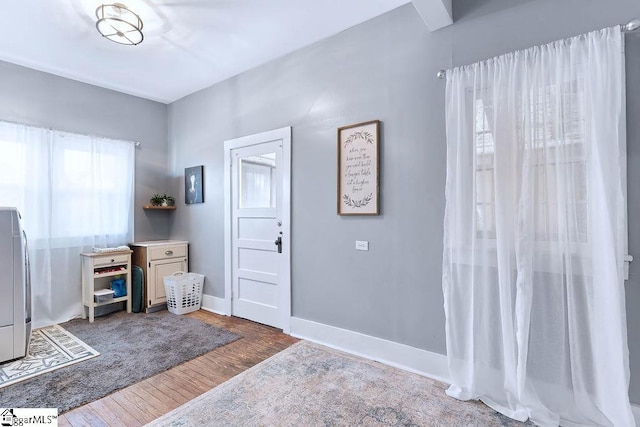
[51, 347]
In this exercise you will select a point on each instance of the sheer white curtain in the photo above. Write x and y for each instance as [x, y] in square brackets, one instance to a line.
[535, 233]
[74, 192]
[257, 182]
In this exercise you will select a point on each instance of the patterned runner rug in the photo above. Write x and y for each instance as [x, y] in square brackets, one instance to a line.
[51, 347]
[312, 385]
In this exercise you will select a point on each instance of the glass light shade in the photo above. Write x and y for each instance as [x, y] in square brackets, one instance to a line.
[119, 24]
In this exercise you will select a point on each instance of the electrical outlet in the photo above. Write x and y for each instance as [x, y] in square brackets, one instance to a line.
[362, 245]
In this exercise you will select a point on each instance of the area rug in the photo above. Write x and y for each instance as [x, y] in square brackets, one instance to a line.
[311, 385]
[51, 348]
[132, 348]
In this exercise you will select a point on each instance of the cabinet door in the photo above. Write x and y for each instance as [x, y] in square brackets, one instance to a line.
[157, 272]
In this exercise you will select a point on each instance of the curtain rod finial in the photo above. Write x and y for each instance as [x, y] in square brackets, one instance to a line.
[441, 74]
[632, 25]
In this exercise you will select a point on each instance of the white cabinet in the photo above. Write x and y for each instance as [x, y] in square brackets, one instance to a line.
[158, 259]
[98, 269]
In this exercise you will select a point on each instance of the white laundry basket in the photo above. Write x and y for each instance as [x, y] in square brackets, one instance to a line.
[184, 292]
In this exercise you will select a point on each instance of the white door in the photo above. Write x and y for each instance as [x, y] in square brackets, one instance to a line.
[258, 207]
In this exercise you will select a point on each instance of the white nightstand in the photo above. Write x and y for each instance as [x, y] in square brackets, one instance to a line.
[97, 271]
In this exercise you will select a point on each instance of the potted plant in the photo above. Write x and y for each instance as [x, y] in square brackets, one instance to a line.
[162, 200]
[156, 200]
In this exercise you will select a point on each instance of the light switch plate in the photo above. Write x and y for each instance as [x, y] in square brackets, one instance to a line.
[362, 245]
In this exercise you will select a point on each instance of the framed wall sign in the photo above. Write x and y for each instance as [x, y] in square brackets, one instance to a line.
[193, 185]
[358, 171]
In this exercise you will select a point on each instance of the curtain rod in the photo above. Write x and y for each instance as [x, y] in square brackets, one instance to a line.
[630, 26]
[136, 144]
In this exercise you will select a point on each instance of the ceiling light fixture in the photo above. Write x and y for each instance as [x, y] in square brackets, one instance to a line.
[119, 24]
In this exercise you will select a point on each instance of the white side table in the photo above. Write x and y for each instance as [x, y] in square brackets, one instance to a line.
[97, 271]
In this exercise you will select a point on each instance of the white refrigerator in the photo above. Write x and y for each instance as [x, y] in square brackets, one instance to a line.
[15, 287]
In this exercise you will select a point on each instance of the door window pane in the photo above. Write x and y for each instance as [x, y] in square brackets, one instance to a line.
[257, 181]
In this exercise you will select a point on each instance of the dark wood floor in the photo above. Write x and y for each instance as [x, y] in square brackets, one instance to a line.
[145, 401]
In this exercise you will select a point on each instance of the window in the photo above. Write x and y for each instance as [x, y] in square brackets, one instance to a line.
[83, 185]
[11, 172]
[485, 191]
[257, 181]
[554, 154]
[74, 192]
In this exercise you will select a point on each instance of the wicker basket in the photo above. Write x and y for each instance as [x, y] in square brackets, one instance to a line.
[184, 292]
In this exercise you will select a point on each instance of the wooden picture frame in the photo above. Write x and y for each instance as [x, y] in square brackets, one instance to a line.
[194, 185]
[358, 168]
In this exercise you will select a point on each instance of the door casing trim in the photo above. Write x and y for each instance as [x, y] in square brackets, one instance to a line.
[283, 134]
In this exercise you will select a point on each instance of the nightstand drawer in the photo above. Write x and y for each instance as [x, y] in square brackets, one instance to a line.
[165, 252]
[111, 259]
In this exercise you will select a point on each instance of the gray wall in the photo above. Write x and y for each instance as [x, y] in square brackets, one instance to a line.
[383, 69]
[633, 206]
[379, 70]
[41, 99]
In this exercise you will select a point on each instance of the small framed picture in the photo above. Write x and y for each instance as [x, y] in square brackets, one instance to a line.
[194, 185]
[358, 172]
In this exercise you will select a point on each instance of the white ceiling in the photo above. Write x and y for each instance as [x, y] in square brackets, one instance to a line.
[188, 45]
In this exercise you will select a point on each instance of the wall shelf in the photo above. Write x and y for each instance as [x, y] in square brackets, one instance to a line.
[159, 208]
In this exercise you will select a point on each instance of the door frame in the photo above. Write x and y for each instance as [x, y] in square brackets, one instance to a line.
[283, 134]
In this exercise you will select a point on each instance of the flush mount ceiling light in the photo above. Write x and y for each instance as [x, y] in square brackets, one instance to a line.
[119, 24]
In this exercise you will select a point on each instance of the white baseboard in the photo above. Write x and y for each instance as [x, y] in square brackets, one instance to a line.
[214, 304]
[635, 410]
[422, 362]
[426, 363]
